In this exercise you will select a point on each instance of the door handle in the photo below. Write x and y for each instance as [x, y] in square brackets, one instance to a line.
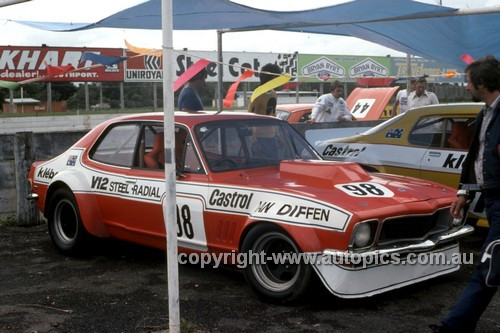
[434, 154]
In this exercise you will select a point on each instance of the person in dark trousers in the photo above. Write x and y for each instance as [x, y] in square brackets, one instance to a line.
[189, 100]
[481, 171]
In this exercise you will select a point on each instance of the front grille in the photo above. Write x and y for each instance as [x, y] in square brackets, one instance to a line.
[413, 228]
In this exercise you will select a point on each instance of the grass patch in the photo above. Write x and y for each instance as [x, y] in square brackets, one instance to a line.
[9, 221]
[190, 327]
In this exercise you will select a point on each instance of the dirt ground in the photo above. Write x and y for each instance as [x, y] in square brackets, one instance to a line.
[120, 287]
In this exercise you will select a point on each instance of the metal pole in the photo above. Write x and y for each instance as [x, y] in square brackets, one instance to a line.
[219, 71]
[169, 202]
[49, 97]
[22, 99]
[100, 94]
[155, 98]
[87, 106]
[122, 96]
[408, 75]
[297, 92]
[11, 101]
[245, 92]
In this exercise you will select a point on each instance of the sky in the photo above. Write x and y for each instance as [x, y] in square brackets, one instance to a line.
[269, 41]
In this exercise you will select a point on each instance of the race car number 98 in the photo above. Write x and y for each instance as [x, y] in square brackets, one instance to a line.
[365, 190]
[184, 225]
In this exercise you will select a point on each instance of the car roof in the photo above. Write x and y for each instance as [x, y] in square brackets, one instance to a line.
[294, 107]
[193, 118]
[445, 108]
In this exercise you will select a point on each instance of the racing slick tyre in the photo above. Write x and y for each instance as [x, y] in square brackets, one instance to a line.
[65, 225]
[281, 281]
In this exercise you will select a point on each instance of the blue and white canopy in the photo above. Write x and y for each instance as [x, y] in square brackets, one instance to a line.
[431, 31]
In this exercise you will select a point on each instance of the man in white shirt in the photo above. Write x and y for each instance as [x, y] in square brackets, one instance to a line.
[331, 107]
[402, 99]
[421, 97]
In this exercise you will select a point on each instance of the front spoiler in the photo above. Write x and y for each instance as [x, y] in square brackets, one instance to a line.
[347, 281]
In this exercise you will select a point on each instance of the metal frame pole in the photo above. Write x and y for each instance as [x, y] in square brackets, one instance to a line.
[169, 201]
[220, 70]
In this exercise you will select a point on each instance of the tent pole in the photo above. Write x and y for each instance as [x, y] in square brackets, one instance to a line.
[408, 76]
[169, 201]
[11, 100]
[220, 69]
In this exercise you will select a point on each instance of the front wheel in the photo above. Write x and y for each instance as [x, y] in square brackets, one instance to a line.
[65, 225]
[283, 276]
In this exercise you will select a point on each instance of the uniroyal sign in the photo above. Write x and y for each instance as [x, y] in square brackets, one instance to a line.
[19, 63]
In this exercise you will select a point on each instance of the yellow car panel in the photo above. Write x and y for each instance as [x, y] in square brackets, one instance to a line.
[430, 142]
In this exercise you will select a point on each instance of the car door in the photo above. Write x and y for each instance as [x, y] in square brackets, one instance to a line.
[147, 184]
[448, 140]
[106, 169]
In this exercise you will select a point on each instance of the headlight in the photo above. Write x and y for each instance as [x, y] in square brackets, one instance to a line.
[362, 235]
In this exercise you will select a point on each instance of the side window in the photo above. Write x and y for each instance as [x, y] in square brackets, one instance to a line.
[282, 115]
[429, 132]
[151, 153]
[117, 146]
[152, 150]
[305, 117]
[460, 133]
[453, 133]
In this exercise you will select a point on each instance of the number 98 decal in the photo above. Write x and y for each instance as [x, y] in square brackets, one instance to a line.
[190, 224]
[365, 190]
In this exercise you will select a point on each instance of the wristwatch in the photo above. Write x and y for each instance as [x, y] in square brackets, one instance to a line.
[462, 192]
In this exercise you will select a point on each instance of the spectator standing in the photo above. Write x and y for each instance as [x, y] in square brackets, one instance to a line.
[189, 99]
[421, 97]
[402, 98]
[331, 107]
[481, 170]
[266, 103]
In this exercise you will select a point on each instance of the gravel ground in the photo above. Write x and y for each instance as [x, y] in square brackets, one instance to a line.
[120, 287]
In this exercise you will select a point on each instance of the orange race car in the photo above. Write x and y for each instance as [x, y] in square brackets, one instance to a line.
[250, 185]
[294, 113]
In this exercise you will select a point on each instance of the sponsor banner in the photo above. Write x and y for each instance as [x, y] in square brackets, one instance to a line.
[150, 69]
[320, 68]
[19, 63]
[274, 206]
[420, 67]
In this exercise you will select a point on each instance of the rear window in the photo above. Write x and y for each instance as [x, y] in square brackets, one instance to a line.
[282, 114]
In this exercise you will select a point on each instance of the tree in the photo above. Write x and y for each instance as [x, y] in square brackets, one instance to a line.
[4, 93]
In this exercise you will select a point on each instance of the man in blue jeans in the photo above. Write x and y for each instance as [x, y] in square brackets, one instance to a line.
[481, 171]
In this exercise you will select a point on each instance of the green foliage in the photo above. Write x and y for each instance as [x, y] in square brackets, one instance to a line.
[4, 93]
[8, 221]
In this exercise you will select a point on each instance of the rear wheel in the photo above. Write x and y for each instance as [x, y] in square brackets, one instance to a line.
[65, 225]
[280, 278]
